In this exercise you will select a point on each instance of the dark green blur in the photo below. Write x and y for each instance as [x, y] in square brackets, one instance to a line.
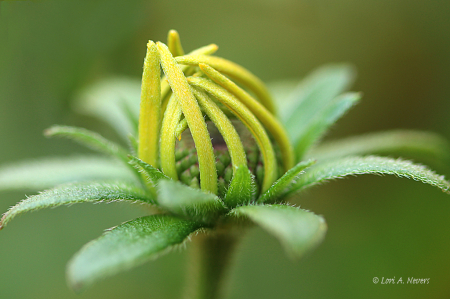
[378, 226]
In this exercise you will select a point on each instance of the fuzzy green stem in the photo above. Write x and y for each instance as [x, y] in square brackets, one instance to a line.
[209, 260]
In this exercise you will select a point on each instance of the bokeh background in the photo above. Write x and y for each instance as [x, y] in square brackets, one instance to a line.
[378, 226]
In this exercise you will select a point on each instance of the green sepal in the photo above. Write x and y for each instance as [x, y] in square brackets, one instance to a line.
[152, 174]
[131, 116]
[313, 95]
[127, 246]
[78, 193]
[188, 202]
[299, 231]
[323, 121]
[242, 189]
[90, 139]
[48, 172]
[339, 168]
[283, 184]
[133, 144]
[106, 99]
[424, 146]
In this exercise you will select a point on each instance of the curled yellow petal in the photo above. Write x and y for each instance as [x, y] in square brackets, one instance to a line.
[181, 127]
[174, 43]
[165, 88]
[194, 117]
[249, 120]
[225, 127]
[150, 107]
[266, 118]
[236, 72]
[168, 138]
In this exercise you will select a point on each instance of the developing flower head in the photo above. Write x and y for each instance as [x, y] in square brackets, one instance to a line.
[198, 86]
[195, 88]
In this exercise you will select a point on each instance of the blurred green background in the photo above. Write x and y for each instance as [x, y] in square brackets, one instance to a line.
[378, 226]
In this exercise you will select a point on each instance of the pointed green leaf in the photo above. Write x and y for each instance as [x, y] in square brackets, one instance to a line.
[49, 172]
[77, 193]
[312, 96]
[298, 230]
[339, 168]
[132, 118]
[323, 120]
[126, 246]
[426, 146]
[281, 186]
[133, 144]
[151, 173]
[281, 91]
[242, 188]
[188, 202]
[90, 139]
[105, 100]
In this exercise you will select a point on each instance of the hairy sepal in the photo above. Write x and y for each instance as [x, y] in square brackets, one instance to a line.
[106, 100]
[315, 130]
[127, 246]
[339, 168]
[242, 189]
[151, 174]
[285, 183]
[89, 139]
[188, 202]
[313, 95]
[77, 193]
[425, 146]
[48, 172]
[299, 231]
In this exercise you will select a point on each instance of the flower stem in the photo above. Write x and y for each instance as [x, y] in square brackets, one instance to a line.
[209, 260]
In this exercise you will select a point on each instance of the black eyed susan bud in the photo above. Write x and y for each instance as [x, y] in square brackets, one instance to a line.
[195, 94]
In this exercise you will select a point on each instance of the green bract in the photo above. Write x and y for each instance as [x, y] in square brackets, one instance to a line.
[211, 155]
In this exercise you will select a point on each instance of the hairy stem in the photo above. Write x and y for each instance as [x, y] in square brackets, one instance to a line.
[209, 261]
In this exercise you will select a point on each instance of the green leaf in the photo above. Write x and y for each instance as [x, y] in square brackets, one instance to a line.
[281, 90]
[281, 186]
[77, 193]
[323, 120]
[106, 99]
[152, 174]
[426, 146]
[339, 168]
[298, 230]
[90, 139]
[242, 188]
[188, 202]
[133, 144]
[313, 95]
[48, 172]
[126, 246]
